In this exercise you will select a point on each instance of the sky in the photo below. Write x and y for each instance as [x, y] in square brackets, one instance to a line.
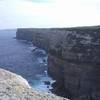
[49, 13]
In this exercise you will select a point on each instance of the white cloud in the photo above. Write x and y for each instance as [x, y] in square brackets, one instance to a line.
[58, 13]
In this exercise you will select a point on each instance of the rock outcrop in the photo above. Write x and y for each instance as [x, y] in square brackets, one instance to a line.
[73, 59]
[14, 87]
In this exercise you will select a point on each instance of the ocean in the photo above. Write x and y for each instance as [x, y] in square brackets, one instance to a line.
[21, 57]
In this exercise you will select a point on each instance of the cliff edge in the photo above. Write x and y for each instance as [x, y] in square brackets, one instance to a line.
[14, 87]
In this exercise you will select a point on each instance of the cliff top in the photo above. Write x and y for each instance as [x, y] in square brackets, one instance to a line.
[66, 28]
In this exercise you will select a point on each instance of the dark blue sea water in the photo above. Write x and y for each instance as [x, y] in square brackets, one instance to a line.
[19, 57]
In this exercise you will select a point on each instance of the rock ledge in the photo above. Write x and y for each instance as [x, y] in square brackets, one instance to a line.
[14, 87]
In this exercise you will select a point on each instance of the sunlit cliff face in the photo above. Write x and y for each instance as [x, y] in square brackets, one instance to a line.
[49, 13]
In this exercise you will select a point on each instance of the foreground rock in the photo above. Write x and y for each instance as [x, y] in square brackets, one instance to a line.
[14, 87]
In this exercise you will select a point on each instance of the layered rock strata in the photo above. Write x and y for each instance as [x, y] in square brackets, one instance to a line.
[73, 59]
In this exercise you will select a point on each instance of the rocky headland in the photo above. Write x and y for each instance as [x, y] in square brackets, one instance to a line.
[73, 58]
[14, 87]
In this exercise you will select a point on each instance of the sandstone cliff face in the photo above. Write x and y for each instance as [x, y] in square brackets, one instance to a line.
[76, 57]
[73, 59]
[82, 45]
[14, 87]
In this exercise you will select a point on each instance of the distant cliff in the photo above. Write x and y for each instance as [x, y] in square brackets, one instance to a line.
[14, 87]
[73, 58]
[26, 34]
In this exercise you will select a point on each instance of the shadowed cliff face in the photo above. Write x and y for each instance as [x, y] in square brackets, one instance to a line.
[26, 34]
[73, 59]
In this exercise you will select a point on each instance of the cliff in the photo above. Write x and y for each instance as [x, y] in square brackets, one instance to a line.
[14, 87]
[26, 34]
[73, 59]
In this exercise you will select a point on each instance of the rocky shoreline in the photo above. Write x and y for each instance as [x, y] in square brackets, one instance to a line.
[73, 58]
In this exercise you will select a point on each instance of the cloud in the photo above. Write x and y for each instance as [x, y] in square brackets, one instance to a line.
[40, 1]
[55, 13]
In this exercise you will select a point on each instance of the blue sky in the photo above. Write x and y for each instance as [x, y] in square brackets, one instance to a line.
[49, 13]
